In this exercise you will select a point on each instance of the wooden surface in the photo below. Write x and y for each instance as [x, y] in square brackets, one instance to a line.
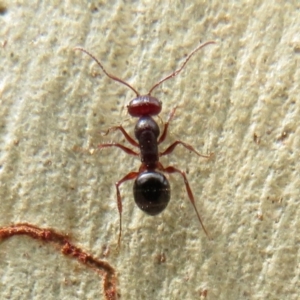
[238, 99]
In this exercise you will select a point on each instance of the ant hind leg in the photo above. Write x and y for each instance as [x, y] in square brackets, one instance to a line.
[171, 170]
[129, 176]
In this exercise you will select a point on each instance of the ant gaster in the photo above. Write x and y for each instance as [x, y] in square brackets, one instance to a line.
[151, 189]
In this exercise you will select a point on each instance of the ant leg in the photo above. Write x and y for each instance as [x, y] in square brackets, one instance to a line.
[61, 242]
[172, 147]
[125, 149]
[189, 147]
[126, 135]
[164, 134]
[188, 189]
[129, 176]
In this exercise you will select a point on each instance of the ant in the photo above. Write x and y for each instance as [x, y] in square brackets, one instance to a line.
[151, 189]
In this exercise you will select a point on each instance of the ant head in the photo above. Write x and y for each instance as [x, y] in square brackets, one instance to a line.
[144, 106]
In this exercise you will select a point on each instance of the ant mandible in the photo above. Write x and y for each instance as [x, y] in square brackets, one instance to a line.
[151, 189]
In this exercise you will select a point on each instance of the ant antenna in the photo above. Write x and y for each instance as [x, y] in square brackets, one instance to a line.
[107, 74]
[183, 65]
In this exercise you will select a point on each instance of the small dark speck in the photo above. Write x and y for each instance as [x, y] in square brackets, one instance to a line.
[94, 9]
[3, 10]
[284, 135]
[256, 138]
[297, 49]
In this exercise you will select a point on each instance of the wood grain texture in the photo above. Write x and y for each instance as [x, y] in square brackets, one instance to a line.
[238, 99]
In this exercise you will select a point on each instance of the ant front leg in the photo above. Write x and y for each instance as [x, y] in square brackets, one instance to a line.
[165, 131]
[129, 176]
[170, 170]
[126, 135]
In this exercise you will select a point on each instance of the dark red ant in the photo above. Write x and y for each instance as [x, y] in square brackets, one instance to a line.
[151, 189]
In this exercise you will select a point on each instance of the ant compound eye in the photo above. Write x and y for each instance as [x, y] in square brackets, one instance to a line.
[151, 192]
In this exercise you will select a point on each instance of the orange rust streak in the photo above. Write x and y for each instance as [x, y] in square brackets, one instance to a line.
[61, 241]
